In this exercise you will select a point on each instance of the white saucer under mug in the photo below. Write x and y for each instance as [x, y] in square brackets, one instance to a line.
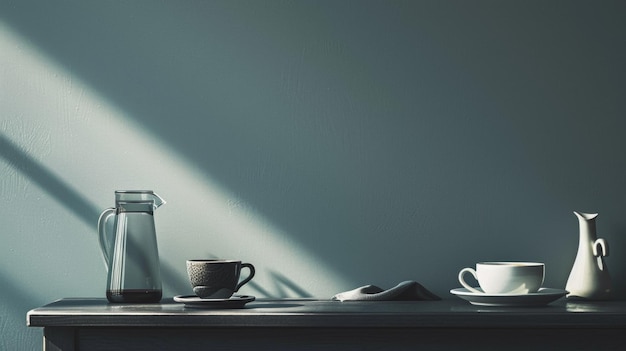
[235, 301]
[540, 298]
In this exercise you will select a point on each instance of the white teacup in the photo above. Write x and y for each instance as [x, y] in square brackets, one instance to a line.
[513, 278]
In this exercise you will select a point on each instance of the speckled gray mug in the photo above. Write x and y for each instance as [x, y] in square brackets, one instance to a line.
[217, 279]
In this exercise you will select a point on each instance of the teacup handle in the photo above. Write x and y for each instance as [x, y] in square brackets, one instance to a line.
[462, 281]
[250, 276]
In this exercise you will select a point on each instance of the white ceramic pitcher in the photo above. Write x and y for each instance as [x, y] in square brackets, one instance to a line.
[589, 278]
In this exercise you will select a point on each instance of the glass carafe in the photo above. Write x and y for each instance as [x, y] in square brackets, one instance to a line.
[130, 247]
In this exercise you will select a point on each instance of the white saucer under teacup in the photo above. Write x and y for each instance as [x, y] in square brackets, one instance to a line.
[542, 297]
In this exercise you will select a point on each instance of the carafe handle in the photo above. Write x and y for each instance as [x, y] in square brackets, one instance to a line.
[105, 239]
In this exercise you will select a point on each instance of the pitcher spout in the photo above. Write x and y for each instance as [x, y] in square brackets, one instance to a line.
[158, 201]
[585, 216]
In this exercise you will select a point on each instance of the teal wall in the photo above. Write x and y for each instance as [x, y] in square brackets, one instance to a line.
[331, 143]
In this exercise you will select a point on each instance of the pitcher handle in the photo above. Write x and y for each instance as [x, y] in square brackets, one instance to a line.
[604, 248]
[105, 241]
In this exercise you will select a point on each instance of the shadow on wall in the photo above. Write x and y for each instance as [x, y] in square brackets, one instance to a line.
[89, 214]
[14, 304]
[248, 102]
[48, 181]
[368, 129]
[69, 197]
[283, 287]
[321, 127]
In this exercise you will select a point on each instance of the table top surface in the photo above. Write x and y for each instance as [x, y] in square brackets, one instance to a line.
[92, 312]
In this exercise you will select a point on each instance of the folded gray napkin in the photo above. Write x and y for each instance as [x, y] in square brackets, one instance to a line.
[406, 291]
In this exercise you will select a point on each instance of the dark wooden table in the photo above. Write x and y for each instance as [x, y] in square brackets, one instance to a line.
[94, 324]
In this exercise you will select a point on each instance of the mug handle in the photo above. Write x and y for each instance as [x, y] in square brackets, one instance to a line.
[462, 281]
[250, 276]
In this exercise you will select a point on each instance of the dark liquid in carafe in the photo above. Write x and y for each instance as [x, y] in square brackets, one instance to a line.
[134, 295]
